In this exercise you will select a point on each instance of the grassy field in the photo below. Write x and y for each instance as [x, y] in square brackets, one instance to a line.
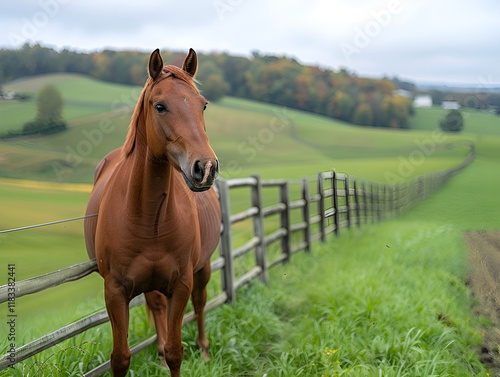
[248, 136]
[82, 97]
[388, 299]
[365, 304]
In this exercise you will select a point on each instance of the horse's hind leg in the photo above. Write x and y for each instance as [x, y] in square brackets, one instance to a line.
[157, 304]
[199, 298]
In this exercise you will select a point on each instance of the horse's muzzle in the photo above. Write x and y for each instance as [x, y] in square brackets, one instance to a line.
[203, 175]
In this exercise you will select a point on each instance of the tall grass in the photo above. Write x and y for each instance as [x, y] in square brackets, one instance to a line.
[373, 303]
[385, 300]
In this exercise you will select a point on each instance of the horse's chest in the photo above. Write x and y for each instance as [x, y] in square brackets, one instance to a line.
[153, 264]
[144, 275]
[153, 245]
[153, 228]
[136, 252]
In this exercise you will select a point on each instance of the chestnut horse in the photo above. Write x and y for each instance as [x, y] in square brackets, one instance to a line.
[158, 217]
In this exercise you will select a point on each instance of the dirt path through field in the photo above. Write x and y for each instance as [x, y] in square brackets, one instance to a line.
[484, 281]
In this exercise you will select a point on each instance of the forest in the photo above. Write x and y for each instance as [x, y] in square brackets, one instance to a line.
[278, 80]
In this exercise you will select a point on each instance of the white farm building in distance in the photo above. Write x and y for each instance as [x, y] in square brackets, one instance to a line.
[422, 100]
[450, 105]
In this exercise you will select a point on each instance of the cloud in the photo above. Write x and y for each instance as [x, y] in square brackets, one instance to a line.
[425, 39]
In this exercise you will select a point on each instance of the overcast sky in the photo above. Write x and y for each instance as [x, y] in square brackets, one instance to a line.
[446, 41]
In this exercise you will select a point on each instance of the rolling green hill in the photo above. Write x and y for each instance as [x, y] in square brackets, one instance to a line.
[249, 137]
[82, 96]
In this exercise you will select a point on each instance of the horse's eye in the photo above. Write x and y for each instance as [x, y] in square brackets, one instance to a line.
[205, 107]
[160, 108]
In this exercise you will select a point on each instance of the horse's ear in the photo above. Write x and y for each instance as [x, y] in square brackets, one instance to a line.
[155, 66]
[191, 63]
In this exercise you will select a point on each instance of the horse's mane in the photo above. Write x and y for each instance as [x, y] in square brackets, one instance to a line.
[168, 71]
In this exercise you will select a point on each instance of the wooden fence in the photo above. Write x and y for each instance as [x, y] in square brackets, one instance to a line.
[305, 211]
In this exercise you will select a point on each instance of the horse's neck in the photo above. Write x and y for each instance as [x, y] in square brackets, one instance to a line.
[151, 182]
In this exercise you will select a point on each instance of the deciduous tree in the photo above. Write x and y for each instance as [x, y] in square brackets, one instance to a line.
[49, 118]
[452, 122]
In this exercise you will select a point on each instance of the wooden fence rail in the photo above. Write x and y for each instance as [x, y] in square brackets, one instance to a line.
[339, 201]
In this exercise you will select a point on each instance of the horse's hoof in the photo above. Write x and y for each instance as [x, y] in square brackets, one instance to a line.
[163, 362]
[204, 354]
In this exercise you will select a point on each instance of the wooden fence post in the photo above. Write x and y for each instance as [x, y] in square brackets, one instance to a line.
[406, 196]
[395, 197]
[225, 243]
[391, 200]
[400, 199]
[365, 202]
[421, 190]
[356, 202]
[377, 190]
[384, 202]
[321, 207]
[305, 213]
[335, 202]
[258, 228]
[347, 201]
[372, 205]
[286, 241]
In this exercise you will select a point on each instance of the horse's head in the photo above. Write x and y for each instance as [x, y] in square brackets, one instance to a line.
[175, 128]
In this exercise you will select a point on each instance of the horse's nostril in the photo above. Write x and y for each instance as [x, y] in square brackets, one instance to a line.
[198, 171]
[203, 174]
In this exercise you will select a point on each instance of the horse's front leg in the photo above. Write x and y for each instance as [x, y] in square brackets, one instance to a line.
[177, 303]
[118, 311]
[199, 299]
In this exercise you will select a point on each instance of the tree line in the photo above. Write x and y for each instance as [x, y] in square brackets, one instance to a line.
[478, 100]
[278, 80]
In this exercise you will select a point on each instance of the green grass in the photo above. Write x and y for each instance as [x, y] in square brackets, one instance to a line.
[82, 97]
[475, 122]
[374, 296]
[42, 250]
[388, 299]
